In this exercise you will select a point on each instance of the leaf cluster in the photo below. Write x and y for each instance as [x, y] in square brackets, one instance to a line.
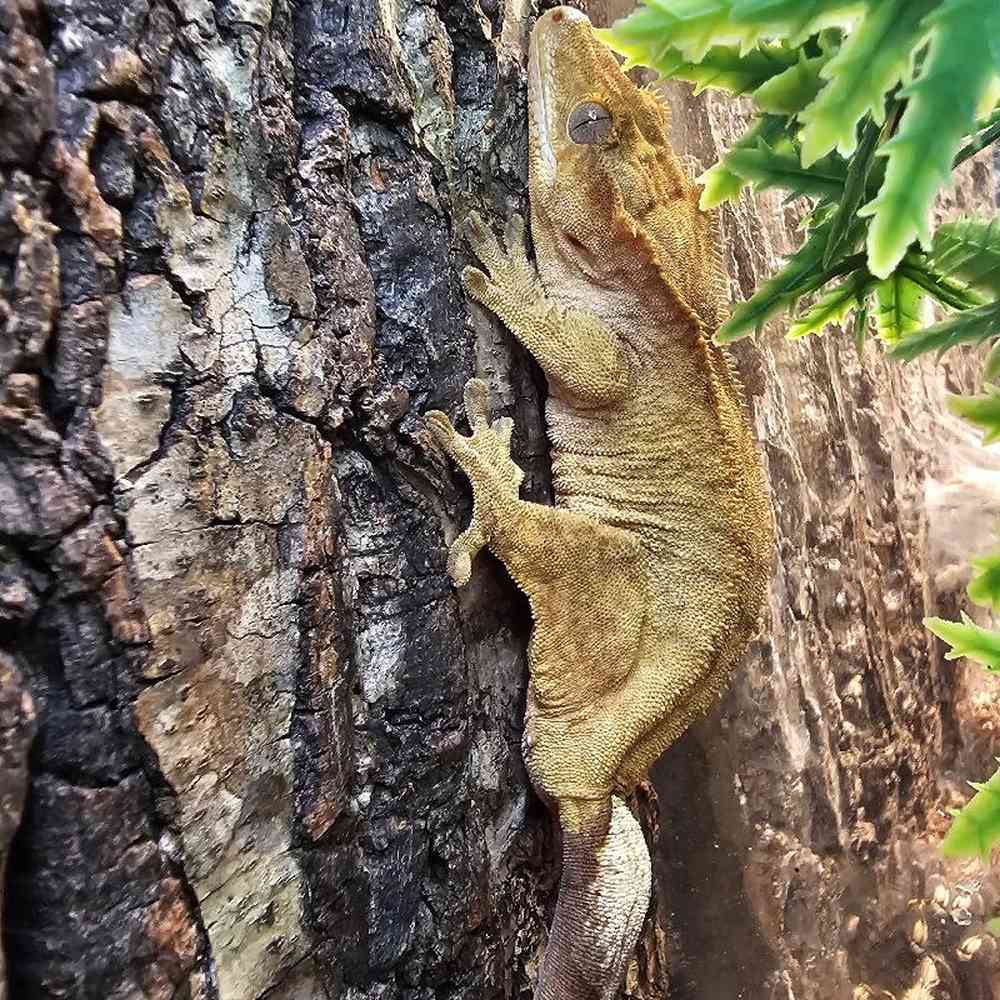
[864, 107]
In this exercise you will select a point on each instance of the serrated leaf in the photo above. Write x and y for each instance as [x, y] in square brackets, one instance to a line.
[800, 276]
[987, 132]
[766, 167]
[982, 411]
[966, 638]
[833, 306]
[972, 326]
[873, 59]
[976, 826]
[788, 92]
[725, 68]
[899, 308]
[778, 292]
[940, 111]
[969, 250]
[794, 19]
[950, 293]
[693, 26]
[855, 184]
[723, 184]
[984, 587]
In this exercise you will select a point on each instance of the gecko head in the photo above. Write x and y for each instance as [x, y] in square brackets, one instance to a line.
[604, 180]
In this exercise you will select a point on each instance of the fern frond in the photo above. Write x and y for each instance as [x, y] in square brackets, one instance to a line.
[941, 110]
[969, 250]
[834, 306]
[984, 587]
[767, 167]
[966, 638]
[981, 411]
[899, 307]
[693, 26]
[723, 184]
[973, 326]
[875, 57]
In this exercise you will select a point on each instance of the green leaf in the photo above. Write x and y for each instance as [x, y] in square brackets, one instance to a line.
[793, 19]
[860, 330]
[874, 58]
[941, 110]
[767, 167]
[900, 307]
[966, 638]
[693, 26]
[970, 327]
[976, 826]
[801, 275]
[969, 250]
[855, 183]
[833, 306]
[789, 92]
[991, 369]
[982, 411]
[778, 292]
[723, 184]
[950, 293]
[993, 926]
[990, 132]
[725, 68]
[984, 587]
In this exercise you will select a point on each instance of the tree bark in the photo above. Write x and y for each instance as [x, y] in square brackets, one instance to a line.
[277, 755]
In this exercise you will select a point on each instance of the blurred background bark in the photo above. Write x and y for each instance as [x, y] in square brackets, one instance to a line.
[277, 755]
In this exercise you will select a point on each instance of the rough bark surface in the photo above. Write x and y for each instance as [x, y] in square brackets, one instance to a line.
[277, 755]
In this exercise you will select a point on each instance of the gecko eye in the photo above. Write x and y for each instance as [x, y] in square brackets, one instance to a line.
[589, 123]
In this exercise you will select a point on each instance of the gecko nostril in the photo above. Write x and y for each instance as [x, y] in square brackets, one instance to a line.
[557, 17]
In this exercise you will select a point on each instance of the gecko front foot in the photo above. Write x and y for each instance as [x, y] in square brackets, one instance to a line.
[510, 275]
[484, 457]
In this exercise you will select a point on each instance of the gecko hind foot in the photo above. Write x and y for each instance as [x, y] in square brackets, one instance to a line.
[485, 458]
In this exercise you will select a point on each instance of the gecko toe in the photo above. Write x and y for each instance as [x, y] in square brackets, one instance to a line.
[460, 567]
[440, 428]
[477, 396]
[476, 229]
[503, 428]
[515, 240]
[476, 284]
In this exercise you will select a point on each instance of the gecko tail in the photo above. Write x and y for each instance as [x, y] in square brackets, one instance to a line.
[603, 898]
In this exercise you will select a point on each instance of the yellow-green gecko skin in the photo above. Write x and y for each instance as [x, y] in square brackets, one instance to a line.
[646, 579]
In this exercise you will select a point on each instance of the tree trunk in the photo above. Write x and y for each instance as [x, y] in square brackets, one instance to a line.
[278, 756]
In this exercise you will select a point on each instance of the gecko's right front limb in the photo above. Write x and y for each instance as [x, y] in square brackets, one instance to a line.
[582, 359]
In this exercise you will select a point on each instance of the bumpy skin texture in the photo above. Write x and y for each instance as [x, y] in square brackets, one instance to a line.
[647, 578]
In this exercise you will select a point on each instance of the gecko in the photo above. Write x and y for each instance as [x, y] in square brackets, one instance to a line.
[647, 577]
